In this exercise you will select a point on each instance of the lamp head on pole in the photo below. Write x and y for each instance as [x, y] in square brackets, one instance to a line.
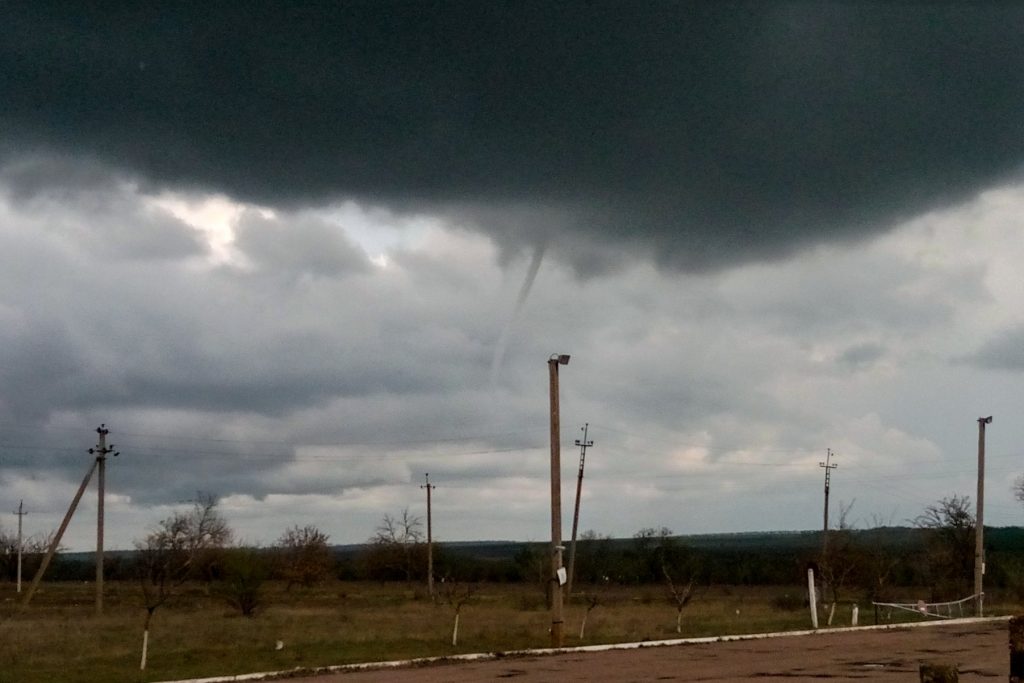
[985, 420]
[560, 358]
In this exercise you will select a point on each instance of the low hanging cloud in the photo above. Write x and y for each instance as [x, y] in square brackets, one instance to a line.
[699, 135]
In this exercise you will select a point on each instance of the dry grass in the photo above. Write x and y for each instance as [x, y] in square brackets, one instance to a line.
[59, 637]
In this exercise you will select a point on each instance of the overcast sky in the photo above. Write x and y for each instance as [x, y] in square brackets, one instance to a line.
[299, 257]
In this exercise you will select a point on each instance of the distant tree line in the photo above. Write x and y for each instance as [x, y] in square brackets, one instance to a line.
[935, 552]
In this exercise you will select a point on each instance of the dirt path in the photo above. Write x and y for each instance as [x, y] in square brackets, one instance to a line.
[979, 649]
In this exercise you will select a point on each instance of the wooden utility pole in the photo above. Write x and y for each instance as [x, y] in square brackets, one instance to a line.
[979, 528]
[557, 571]
[21, 513]
[829, 466]
[584, 445]
[430, 538]
[100, 451]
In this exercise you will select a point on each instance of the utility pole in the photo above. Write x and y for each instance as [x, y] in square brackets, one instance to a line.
[430, 539]
[21, 513]
[979, 529]
[829, 466]
[56, 539]
[584, 445]
[100, 451]
[557, 571]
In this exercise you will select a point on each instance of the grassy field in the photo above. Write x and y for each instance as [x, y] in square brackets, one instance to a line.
[59, 638]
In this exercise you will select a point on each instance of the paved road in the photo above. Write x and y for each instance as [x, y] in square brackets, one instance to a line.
[979, 649]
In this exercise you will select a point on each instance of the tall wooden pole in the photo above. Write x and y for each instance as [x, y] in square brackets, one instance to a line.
[979, 529]
[557, 572]
[430, 539]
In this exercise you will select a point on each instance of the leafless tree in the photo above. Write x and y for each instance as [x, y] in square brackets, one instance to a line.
[841, 559]
[32, 550]
[405, 529]
[880, 561]
[456, 594]
[592, 603]
[950, 558]
[680, 593]
[175, 551]
[678, 567]
[397, 546]
[1018, 488]
[304, 556]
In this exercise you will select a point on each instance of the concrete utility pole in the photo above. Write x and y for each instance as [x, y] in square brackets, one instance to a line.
[430, 538]
[584, 445]
[56, 539]
[557, 571]
[979, 528]
[21, 513]
[100, 451]
[829, 466]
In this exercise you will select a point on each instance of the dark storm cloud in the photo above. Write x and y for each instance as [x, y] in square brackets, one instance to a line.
[1003, 352]
[701, 133]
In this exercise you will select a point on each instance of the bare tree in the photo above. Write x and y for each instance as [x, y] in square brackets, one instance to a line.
[456, 595]
[950, 557]
[841, 559]
[592, 603]
[1018, 488]
[880, 561]
[304, 556]
[396, 547]
[32, 550]
[174, 551]
[674, 563]
[405, 529]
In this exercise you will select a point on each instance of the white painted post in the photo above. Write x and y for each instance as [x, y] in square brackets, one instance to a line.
[853, 617]
[812, 598]
[145, 649]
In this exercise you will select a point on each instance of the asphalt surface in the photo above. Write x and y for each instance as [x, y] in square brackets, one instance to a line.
[979, 649]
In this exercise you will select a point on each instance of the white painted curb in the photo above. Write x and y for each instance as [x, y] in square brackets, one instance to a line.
[483, 656]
